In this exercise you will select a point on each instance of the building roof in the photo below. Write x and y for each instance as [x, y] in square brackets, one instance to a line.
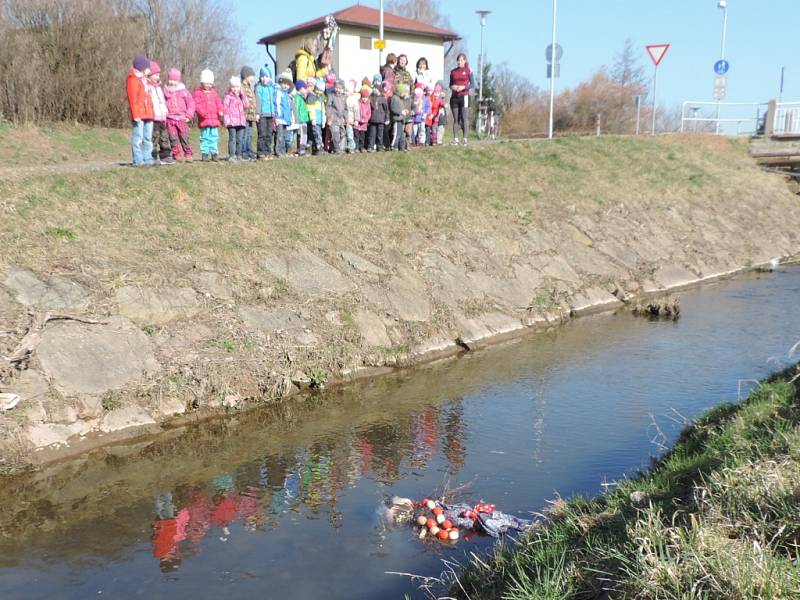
[364, 16]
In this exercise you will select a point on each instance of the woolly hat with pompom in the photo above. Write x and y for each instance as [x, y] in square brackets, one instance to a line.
[285, 77]
[207, 76]
[155, 69]
[365, 91]
[235, 81]
[265, 71]
[377, 80]
[173, 75]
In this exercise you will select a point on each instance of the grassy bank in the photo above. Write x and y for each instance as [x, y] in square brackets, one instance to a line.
[720, 520]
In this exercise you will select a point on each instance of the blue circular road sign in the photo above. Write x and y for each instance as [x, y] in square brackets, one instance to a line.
[721, 67]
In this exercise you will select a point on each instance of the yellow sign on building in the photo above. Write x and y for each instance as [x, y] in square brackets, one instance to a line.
[380, 44]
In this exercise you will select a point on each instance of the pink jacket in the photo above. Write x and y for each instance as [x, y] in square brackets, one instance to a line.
[208, 107]
[365, 112]
[180, 104]
[235, 107]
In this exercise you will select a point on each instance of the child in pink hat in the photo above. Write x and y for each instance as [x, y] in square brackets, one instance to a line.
[180, 112]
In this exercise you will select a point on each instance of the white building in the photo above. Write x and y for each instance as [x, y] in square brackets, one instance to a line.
[355, 55]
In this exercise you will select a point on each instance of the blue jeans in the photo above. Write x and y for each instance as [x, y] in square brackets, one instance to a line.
[209, 140]
[283, 139]
[236, 141]
[142, 142]
[316, 132]
[248, 139]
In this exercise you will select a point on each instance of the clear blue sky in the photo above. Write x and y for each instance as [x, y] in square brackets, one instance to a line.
[762, 36]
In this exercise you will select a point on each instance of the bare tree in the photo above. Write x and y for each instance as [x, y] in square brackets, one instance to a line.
[511, 88]
[629, 79]
[66, 60]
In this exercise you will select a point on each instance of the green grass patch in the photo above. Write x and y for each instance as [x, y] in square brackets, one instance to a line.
[64, 233]
[720, 520]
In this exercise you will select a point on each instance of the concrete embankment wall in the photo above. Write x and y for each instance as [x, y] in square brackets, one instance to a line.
[202, 289]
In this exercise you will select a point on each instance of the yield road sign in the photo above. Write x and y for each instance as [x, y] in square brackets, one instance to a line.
[657, 52]
[721, 67]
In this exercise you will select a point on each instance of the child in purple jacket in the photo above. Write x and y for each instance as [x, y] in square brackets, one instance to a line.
[180, 112]
[234, 107]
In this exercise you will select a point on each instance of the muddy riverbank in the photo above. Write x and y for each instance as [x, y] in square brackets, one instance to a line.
[147, 304]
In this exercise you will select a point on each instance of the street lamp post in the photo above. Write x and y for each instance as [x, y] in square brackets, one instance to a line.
[722, 4]
[380, 35]
[553, 71]
[482, 14]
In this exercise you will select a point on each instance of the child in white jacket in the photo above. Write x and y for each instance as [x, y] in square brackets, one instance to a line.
[353, 114]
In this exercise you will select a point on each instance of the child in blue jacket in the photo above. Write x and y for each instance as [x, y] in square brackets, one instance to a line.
[265, 110]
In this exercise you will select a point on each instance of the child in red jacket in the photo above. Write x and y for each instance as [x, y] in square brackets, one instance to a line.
[209, 111]
[141, 112]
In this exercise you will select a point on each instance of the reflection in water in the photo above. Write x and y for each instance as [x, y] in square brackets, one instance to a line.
[307, 483]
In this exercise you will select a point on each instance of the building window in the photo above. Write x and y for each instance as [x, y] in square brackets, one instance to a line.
[366, 43]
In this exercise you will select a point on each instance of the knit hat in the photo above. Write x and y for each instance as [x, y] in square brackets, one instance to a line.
[207, 76]
[285, 76]
[418, 85]
[340, 83]
[402, 89]
[265, 71]
[247, 72]
[437, 88]
[300, 85]
[319, 85]
[365, 81]
[365, 91]
[377, 80]
[236, 81]
[330, 79]
[140, 62]
[418, 91]
[173, 74]
[154, 68]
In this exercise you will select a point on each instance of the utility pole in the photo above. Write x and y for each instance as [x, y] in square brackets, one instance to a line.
[482, 14]
[783, 78]
[723, 4]
[553, 71]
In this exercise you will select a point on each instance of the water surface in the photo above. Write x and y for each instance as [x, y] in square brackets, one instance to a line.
[282, 502]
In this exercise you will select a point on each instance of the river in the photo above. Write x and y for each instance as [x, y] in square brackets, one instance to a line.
[282, 502]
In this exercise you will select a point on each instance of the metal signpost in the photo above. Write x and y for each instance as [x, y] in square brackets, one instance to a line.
[553, 70]
[382, 45]
[657, 53]
[721, 84]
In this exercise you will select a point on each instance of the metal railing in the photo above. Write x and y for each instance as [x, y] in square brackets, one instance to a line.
[744, 124]
[787, 118]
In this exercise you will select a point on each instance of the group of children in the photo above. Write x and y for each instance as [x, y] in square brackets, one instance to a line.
[300, 117]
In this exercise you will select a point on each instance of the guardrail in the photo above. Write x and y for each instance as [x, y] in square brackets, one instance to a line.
[752, 123]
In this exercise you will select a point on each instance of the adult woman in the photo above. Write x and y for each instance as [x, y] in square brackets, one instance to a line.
[401, 74]
[424, 76]
[387, 70]
[461, 82]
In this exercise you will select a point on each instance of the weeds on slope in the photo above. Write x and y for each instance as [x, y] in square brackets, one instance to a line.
[720, 520]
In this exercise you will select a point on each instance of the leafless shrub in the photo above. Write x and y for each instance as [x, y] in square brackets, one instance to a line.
[66, 60]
